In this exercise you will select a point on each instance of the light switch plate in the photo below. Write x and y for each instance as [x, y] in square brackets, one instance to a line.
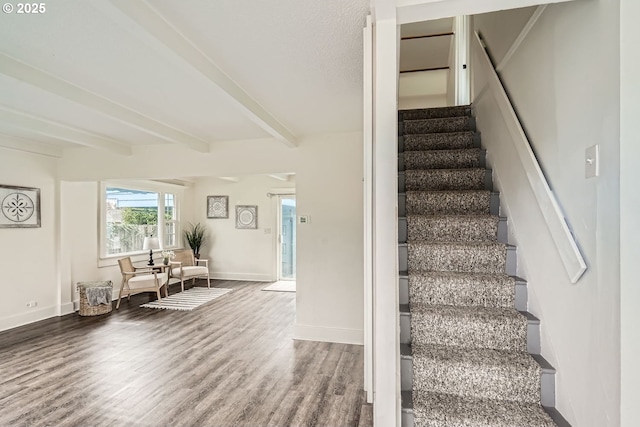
[592, 162]
[304, 219]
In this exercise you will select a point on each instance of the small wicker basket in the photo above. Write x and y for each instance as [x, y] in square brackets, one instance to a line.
[92, 310]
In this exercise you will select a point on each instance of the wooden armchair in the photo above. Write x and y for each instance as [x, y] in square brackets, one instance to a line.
[185, 266]
[136, 280]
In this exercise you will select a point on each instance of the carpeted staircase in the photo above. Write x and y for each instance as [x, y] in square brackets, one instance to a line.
[469, 349]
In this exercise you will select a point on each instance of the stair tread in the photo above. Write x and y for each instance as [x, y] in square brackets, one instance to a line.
[446, 410]
[457, 274]
[477, 227]
[462, 289]
[458, 244]
[466, 312]
[470, 327]
[469, 217]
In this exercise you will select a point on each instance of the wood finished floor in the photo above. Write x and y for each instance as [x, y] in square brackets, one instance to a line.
[231, 362]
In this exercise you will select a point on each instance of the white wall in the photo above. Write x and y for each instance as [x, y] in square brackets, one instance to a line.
[29, 255]
[412, 102]
[500, 29]
[564, 82]
[328, 172]
[240, 254]
[629, 211]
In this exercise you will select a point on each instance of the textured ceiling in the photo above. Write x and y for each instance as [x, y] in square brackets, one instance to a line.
[193, 72]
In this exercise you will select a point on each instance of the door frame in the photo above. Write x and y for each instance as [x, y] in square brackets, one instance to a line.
[277, 201]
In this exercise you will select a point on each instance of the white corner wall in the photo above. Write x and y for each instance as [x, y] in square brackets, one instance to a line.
[565, 86]
[30, 255]
[240, 254]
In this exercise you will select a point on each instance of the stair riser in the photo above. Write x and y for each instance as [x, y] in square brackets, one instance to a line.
[442, 159]
[434, 113]
[510, 265]
[445, 179]
[477, 258]
[477, 381]
[408, 418]
[500, 334]
[547, 381]
[532, 335]
[453, 124]
[451, 228]
[439, 141]
[448, 203]
[454, 296]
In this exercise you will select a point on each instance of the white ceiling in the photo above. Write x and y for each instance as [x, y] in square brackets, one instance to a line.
[114, 74]
[117, 74]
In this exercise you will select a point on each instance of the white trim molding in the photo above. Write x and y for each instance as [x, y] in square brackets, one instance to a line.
[521, 164]
[328, 334]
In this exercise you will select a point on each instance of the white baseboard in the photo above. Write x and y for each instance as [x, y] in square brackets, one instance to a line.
[321, 333]
[30, 316]
[68, 308]
[251, 277]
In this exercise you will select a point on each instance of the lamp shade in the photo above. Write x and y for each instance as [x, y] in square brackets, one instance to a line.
[151, 243]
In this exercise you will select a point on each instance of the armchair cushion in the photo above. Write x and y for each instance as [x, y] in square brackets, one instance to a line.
[147, 281]
[190, 271]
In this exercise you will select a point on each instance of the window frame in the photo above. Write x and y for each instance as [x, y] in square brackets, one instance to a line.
[161, 190]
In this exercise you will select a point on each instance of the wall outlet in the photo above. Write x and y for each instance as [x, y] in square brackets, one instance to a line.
[32, 304]
[267, 231]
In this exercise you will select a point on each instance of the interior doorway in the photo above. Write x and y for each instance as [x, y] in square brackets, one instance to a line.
[287, 237]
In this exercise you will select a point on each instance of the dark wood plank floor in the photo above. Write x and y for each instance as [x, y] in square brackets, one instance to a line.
[231, 362]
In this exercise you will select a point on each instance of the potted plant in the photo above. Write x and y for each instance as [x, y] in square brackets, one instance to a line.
[195, 236]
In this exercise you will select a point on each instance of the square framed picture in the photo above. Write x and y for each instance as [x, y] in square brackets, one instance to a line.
[247, 216]
[217, 206]
[19, 207]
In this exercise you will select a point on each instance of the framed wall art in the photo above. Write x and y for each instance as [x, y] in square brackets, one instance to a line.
[217, 206]
[19, 207]
[246, 217]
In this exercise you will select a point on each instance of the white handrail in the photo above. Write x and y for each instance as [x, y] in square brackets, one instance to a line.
[565, 243]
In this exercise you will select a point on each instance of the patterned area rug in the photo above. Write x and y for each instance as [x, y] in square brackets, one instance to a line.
[189, 299]
[282, 286]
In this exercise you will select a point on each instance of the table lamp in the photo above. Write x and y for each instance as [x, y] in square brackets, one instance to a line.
[151, 243]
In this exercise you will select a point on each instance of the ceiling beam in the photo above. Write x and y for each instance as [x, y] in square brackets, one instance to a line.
[21, 71]
[229, 178]
[280, 176]
[164, 31]
[51, 129]
[425, 10]
[34, 147]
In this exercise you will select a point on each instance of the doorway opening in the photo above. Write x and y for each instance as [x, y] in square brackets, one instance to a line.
[287, 237]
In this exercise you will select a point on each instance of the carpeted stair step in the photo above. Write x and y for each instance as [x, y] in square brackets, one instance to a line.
[475, 228]
[442, 159]
[478, 373]
[462, 289]
[469, 327]
[444, 179]
[472, 257]
[434, 113]
[458, 202]
[440, 141]
[451, 124]
[446, 410]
